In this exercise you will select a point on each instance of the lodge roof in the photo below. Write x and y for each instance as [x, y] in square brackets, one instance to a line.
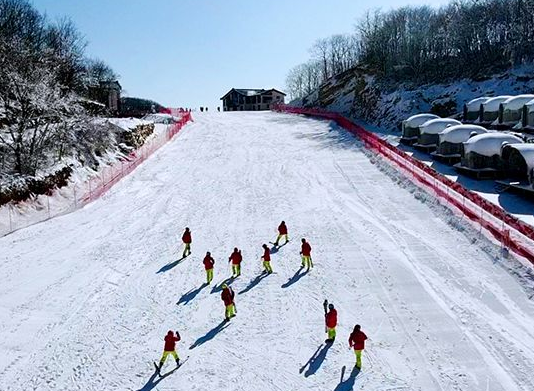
[251, 91]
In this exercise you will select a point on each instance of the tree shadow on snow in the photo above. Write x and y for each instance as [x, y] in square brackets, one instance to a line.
[298, 275]
[210, 334]
[348, 384]
[169, 266]
[189, 296]
[315, 361]
[253, 283]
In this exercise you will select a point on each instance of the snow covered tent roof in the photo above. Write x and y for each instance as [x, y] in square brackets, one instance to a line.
[474, 105]
[494, 103]
[419, 119]
[459, 133]
[489, 144]
[516, 102]
[524, 149]
[438, 125]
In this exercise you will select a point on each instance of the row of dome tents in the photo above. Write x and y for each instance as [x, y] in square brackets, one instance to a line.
[477, 151]
[501, 112]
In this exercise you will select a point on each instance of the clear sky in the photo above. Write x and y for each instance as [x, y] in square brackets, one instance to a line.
[190, 52]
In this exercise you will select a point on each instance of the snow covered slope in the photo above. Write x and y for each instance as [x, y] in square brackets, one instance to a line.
[87, 298]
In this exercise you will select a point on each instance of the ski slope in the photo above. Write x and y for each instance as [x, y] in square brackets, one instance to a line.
[87, 298]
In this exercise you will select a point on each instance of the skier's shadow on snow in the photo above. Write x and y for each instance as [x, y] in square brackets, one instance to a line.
[169, 266]
[298, 275]
[210, 335]
[218, 288]
[315, 361]
[348, 384]
[189, 296]
[153, 382]
[253, 283]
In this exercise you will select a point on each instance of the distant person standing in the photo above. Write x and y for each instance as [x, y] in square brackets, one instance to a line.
[331, 323]
[266, 258]
[218, 108]
[186, 238]
[228, 297]
[236, 258]
[357, 342]
[305, 253]
[201, 109]
[209, 263]
[282, 232]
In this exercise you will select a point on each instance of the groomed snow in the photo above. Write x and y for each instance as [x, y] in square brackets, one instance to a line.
[419, 119]
[87, 298]
[436, 126]
[489, 144]
[460, 133]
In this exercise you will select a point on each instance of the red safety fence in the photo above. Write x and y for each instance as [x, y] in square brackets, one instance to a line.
[76, 195]
[511, 232]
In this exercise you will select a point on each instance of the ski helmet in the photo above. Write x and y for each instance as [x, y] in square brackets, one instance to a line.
[330, 306]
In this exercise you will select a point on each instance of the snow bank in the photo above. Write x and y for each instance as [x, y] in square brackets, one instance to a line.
[128, 124]
[489, 144]
[436, 126]
[460, 133]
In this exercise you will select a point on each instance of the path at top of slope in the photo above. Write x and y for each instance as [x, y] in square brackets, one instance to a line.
[88, 297]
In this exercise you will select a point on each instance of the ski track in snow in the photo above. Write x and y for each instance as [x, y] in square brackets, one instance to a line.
[86, 298]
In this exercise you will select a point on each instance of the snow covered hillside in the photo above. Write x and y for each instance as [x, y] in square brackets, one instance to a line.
[87, 298]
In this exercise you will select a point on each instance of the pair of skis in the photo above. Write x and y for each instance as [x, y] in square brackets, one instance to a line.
[158, 369]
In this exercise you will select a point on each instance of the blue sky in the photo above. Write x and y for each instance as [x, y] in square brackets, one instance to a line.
[190, 52]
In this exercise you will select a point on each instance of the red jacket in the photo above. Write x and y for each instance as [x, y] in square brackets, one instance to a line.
[266, 255]
[170, 341]
[227, 296]
[186, 237]
[331, 318]
[208, 262]
[306, 249]
[236, 258]
[357, 340]
[282, 229]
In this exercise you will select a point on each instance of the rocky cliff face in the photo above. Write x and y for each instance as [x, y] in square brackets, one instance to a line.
[359, 95]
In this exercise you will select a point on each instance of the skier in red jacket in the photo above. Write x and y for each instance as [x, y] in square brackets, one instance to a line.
[331, 323]
[186, 238]
[209, 262]
[305, 253]
[170, 348]
[236, 258]
[228, 296]
[357, 342]
[266, 257]
[282, 231]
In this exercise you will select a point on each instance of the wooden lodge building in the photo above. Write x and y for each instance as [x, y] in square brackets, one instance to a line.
[238, 99]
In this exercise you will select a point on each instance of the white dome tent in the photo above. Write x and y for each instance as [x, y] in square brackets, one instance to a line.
[410, 127]
[490, 109]
[519, 161]
[473, 109]
[527, 117]
[430, 130]
[482, 154]
[450, 143]
[510, 110]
